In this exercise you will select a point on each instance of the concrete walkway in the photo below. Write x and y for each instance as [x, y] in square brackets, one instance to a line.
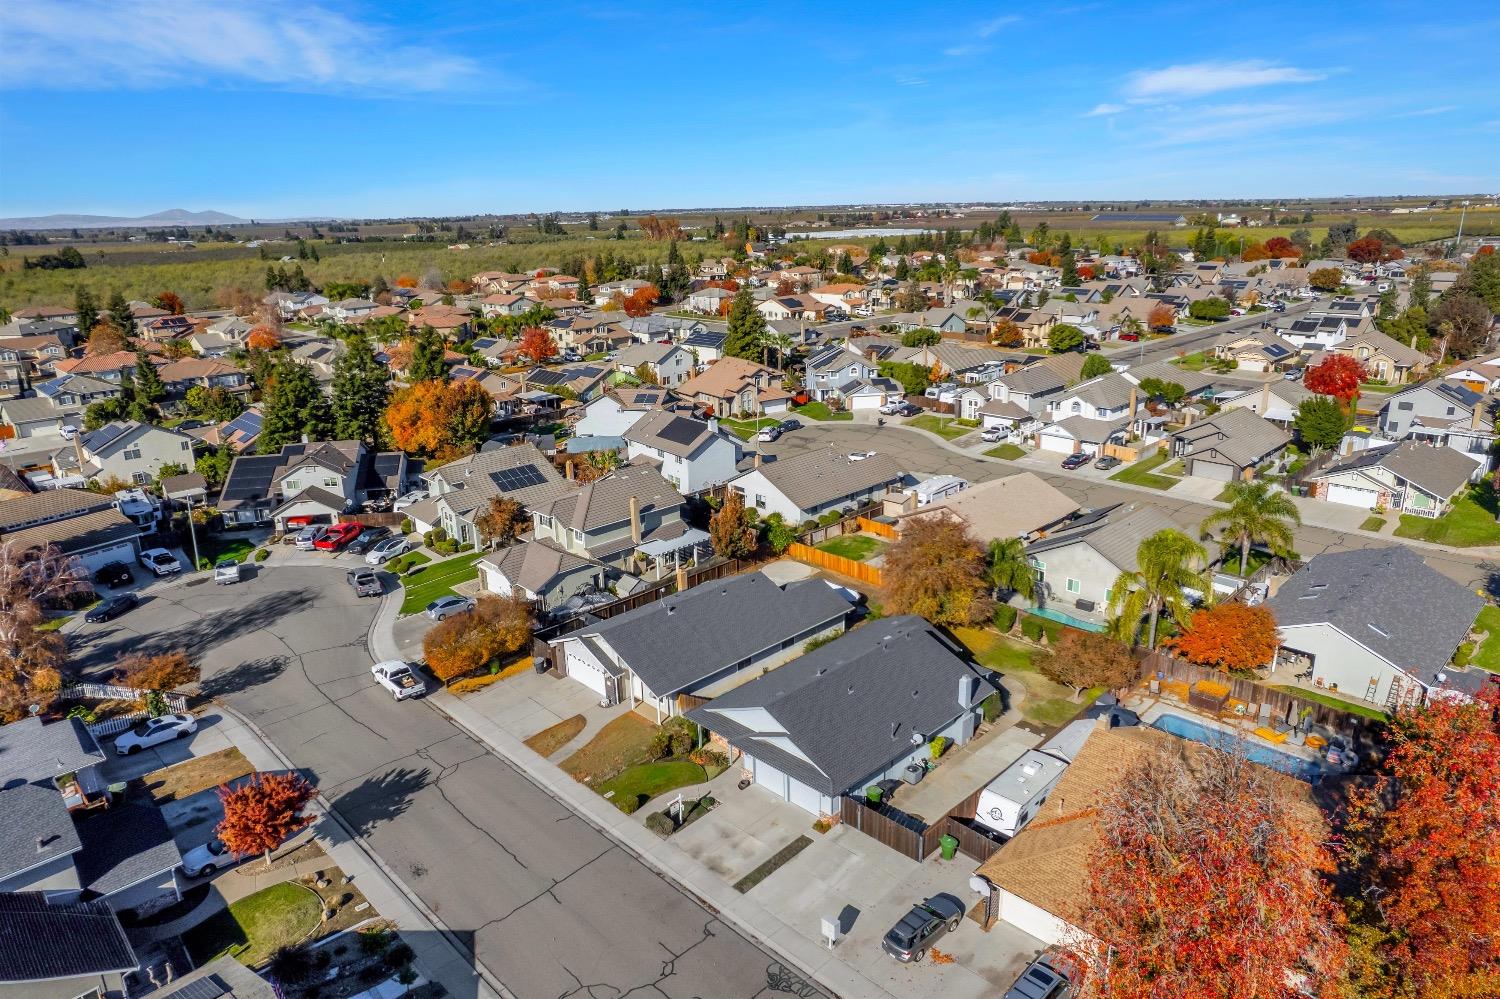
[230, 887]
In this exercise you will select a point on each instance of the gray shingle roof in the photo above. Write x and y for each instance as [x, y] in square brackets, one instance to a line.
[51, 504]
[1105, 392]
[672, 433]
[1440, 471]
[35, 828]
[853, 706]
[1238, 434]
[1115, 533]
[534, 564]
[31, 751]
[677, 641]
[1386, 599]
[41, 942]
[816, 477]
[606, 500]
[124, 846]
[482, 476]
[1033, 380]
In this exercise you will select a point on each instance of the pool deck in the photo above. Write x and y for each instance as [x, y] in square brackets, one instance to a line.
[1151, 708]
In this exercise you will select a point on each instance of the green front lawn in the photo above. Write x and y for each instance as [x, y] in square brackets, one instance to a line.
[857, 547]
[1372, 523]
[251, 929]
[745, 429]
[944, 426]
[1193, 362]
[619, 744]
[1334, 702]
[438, 580]
[1007, 451]
[820, 411]
[645, 781]
[1141, 473]
[1487, 656]
[1469, 522]
[215, 549]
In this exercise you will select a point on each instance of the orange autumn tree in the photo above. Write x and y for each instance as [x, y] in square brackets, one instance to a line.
[164, 671]
[439, 420]
[263, 337]
[1338, 375]
[1426, 847]
[261, 814]
[1162, 317]
[466, 643]
[537, 344]
[105, 338]
[1229, 636]
[406, 281]
[1207, 880]
[640, 302]
[1281, 247]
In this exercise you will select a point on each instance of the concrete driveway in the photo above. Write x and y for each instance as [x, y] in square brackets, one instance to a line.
[548, 903]
[206, 740]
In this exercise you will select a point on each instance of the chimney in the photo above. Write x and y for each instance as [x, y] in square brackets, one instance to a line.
[568, 469]
[635, 520]
[757, 459]
[1474, 420]
[1265, 399]
[713, 424]
[1132, 403]
[968, 686]
[305, 439]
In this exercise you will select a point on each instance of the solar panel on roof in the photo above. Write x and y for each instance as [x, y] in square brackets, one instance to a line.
[203, 988]
[680, 430]
[546, 377]
[484, 343]
[246, 423]
[520, 477]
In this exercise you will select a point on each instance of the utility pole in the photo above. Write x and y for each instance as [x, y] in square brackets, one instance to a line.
[1458, 241]
[193, 531]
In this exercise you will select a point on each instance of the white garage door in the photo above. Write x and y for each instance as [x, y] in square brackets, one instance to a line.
[1350, 496]
[770, 778]
[1215, 470]
[122, 552]
[805, 797]
[1051, 442]
[587, 674]
[866, 402]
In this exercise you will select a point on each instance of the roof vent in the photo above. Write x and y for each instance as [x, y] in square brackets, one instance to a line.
[851, 688]
[1441, 678]
[915, 693]
[895, 726]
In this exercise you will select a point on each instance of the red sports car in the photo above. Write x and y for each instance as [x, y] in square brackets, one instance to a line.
[337, 537]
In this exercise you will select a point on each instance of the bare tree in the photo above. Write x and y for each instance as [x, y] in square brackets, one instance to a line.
[31, 660]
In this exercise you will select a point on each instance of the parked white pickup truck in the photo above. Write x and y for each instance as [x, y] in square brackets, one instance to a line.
[399, 678]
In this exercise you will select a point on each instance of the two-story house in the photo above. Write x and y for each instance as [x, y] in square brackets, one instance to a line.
[631, 510]
[732, 386]
[692, 454]
[460, 492]
[129, 450]
[349, 310]
[609, 415]
[1383, 358]
[309, 483]
[289, 304]
[1089, 415]
[58, 402]
[1441, 412]
[667, 364]
[827, 369]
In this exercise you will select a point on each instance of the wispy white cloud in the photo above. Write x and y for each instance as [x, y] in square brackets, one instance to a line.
[911, 81]
[1103, 109]
[92, 44]
[1177, 126]
[1425, 112]
[987, 28]
[1203, 78]
[961, 51]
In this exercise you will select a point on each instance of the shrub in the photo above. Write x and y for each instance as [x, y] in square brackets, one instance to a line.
[938, 746]
[681, 741]
[399, 956]
[261, 554]
[291, 964]
[406, 525]
[374, 941]
[661, 823]
[83, 714]
[660, 746]
[407, 975]
[372, 974]
[709, 758]
[991, 707]
[204, 564]
[1031, 628]
[1005, 617]
[469, 684]
[831, 517]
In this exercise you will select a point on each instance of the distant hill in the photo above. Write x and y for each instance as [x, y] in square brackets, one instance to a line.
[172, 216]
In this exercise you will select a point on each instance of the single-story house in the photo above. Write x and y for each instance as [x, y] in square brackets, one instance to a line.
[1377, 624]
[83, 525]
[1077, 565]
[1229, 445]
[851, 713]
[701, 641]
[1409, 476]
[805, 486]
[1018, 506]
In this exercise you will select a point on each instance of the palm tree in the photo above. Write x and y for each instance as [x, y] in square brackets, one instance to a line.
[1008, 568]
[781, 343]
[1167, 562]
[1257, 512]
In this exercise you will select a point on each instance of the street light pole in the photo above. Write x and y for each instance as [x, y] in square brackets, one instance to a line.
[1458, 241]
[193, 532]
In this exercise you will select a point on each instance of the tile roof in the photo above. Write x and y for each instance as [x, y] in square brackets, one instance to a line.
[123, 846]
[82, 533]
[1386, 599]
[725, 377]
[682, 639]
[810, 479]
[42, 942]
[35, 828]
[852, 707]
[31, 751]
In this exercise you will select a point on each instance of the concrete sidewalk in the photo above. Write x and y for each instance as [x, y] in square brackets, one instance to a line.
[437, 956]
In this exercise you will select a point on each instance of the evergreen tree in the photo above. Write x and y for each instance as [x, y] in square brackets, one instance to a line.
[1421, 287]
[294, 405]
[747, 328]
[678, 280]
[149, 388]
[585, 293]
[426, 357]
[87, 308]
[1069, 270]
[903, 269]
[119, 311]
[361, 389]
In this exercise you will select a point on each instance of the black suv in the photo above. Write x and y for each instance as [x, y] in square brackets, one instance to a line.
[922, 927]
[115, 574]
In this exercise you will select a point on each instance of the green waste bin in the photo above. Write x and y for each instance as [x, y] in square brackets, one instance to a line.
[948, 845]
[873, 795]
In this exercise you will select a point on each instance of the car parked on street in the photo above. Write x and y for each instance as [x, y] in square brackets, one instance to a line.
[445, 607]
[387, 550]
[114, 574]
[160, 561]
[338, 536]
[227, 572]
[365, 582]
[307, 540]
[209, 858]
[926, 924]
[398, 678]
[787, 426]
[908, 409]
[1076, 460]
[1107, 462]
[154, 732]
[111, 608]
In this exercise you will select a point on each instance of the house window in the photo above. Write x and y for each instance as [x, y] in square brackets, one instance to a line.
[133, 454]
[1074, 586]
[140, 478]
[329, 481]
[1404, 406]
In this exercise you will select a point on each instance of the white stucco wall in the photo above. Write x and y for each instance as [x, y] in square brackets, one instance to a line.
[1339, 659]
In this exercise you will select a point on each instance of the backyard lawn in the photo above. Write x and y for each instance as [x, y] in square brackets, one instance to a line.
[1007, 451]
[1334, 702]
[438, 580]
[1142, 473]
[857, 547]
[1046, 703]
[944, 426]
[251, 929]
[1469, 522]
[820, 411]
[1487, 656]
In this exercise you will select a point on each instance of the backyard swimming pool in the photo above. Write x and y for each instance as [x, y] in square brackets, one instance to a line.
[1296, 766]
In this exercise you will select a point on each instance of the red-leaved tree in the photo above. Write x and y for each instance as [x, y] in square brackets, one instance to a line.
[1280, 246]
[1229, 636]
[260, 814]
[1366, 250]
[1338, 375]
[1162, 317]
[537, 344]
[1208, 882]
[1427, 845]
[640, 302]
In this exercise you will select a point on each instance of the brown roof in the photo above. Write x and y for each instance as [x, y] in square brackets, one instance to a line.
[50, 504]
[77, 534]
[724, 377]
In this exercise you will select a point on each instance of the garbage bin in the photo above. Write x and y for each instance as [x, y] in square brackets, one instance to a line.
[873, 795]
[948, 845]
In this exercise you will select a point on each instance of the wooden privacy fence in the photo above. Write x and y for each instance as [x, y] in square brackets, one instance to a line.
[845, 525]
[914, 838]
[877, 528]
[373, 519]
[836, 563]
[931, 405]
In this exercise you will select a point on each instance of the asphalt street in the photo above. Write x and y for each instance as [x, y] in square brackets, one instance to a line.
[918, 452]
[551, 906]
[1192, 339]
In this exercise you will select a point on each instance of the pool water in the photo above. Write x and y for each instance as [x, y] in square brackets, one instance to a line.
[1070, 621]
[1295, 766]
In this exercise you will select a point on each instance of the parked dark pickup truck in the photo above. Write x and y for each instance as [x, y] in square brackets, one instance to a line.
[365, 582]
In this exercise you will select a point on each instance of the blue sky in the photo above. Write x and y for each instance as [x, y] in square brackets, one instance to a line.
[375, 109]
